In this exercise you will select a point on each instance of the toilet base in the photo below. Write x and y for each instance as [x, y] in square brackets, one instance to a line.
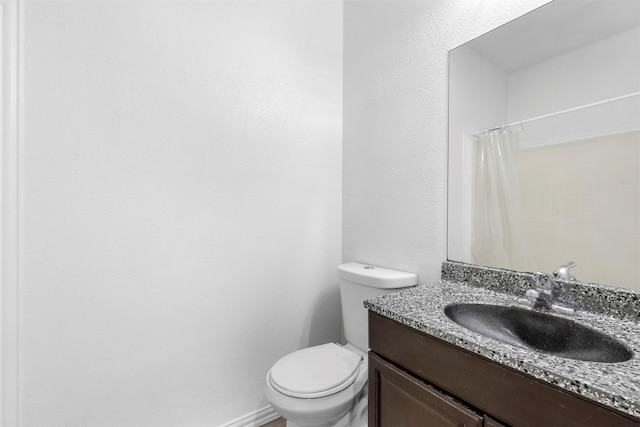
[346, 408]
[356, 417]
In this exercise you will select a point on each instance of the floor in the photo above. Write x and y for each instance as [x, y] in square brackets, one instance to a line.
[279, 422]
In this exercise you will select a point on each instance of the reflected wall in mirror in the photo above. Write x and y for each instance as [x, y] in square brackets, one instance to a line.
[544, 143]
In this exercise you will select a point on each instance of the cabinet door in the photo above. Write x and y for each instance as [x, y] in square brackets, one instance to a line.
[490, 422]
[397, 399]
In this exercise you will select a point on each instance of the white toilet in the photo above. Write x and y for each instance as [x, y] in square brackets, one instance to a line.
[325, 385]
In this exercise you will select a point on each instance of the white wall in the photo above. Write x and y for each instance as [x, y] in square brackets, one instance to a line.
[9, 216]
[180, 205]
[595, 72]
[395, 124]
[602, 70]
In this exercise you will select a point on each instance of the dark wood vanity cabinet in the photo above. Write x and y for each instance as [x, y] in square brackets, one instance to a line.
[403, 400]
[419, 380]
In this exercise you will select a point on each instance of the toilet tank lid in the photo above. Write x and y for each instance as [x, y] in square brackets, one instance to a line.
[376, 277]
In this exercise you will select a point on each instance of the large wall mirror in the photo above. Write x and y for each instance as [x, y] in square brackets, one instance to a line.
[544, 143]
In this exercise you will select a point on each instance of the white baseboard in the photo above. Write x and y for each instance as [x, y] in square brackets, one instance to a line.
[254, 419]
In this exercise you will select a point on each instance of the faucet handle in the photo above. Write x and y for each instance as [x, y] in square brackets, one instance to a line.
[563, 272]
[543, 282]
[542, 296]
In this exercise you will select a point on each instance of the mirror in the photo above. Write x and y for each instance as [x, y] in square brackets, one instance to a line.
[544, 143]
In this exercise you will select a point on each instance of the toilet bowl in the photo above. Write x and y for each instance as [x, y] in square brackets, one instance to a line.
[323, 385]
[326, 385]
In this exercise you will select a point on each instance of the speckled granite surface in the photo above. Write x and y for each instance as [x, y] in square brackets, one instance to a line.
[593, 297]
[614, 384]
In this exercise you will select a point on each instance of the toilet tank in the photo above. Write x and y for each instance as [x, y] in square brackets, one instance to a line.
[360, 282]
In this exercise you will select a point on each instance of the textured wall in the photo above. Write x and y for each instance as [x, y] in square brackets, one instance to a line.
[395, 124]
[180, 187]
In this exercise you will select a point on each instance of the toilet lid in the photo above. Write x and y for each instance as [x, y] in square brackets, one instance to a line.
[315, 371]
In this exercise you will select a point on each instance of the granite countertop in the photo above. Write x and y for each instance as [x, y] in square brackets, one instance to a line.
[616, 385]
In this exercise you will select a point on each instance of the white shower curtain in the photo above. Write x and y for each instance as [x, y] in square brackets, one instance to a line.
[499, 237]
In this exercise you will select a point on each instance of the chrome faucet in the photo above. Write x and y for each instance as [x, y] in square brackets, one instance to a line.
[542, 296]
[563, 272]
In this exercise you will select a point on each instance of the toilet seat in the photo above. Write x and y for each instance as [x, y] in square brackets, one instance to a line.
[315, 371]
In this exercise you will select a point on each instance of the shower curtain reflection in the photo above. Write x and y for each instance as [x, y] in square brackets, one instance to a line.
[499, 237]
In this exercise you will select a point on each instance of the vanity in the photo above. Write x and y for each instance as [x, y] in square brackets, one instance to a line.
[425, 369]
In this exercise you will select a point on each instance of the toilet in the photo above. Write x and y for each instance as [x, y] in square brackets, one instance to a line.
[326, 385]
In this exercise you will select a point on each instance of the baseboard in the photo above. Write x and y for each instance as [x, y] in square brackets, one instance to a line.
[254, 419]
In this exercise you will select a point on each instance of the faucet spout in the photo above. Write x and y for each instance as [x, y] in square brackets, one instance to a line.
[542, 296]
[563, 272]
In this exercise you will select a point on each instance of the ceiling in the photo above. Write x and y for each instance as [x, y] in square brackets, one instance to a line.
[554, 29]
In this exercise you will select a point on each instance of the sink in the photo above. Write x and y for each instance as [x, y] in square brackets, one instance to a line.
[540, 332]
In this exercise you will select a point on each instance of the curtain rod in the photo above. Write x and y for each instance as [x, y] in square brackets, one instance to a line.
[568, 110]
